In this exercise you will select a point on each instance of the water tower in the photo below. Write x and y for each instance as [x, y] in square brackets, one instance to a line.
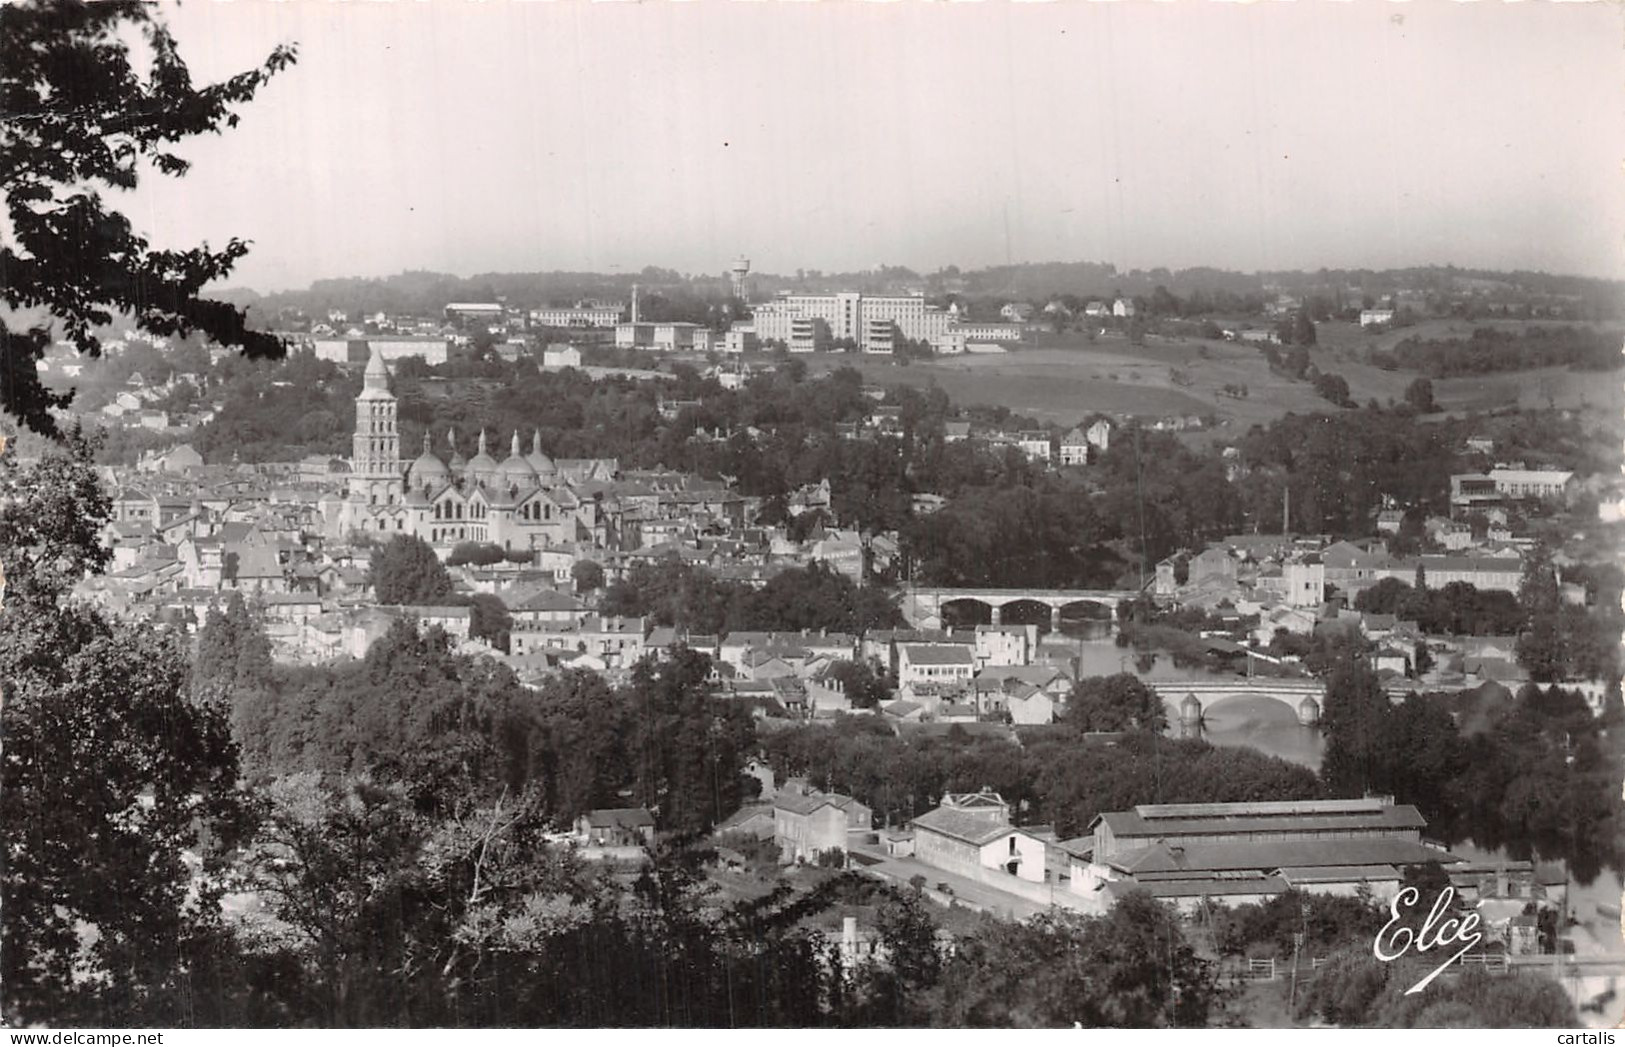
[737, 274]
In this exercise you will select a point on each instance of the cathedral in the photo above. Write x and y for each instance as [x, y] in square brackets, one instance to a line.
[526, 501]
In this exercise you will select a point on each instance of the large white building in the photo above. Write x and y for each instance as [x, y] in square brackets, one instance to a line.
[663, 337]
[355, 350]
[582, 314]
[869, 320]
[803, 322]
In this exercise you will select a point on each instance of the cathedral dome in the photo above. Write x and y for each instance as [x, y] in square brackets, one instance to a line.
[515, 471]
[428, 470]
[482, 468]
[538, 461]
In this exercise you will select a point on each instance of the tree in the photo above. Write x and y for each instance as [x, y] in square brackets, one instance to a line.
[79, 117]
[1333, 387]
[489, 620]
[1131, 968]
[1115, 703]
[112, 774]
[480, 554]
[1542, 644]
[407, 571]
[1356, 726]
[233, 664]
[588, 575]
[1303, 329]
[688, 748]
[1419, 394]
[864, 687]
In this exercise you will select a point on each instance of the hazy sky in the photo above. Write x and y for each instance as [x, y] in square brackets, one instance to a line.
[471, 137]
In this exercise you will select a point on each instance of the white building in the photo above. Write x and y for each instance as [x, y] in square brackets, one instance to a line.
[662, 337]
[982, 333]
[741, 339]
[558, 356]
[851, 315]
[582, 314]
[1035, 445]
[970, 834]
[392, 349]
[474, 310]
[934, 664]
[1531, 483]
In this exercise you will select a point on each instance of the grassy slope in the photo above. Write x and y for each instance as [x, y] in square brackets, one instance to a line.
[1064, 378]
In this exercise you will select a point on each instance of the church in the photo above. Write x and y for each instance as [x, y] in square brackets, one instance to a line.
[525, 502]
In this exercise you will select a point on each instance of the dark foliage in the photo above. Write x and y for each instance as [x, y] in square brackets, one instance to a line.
[79, 118]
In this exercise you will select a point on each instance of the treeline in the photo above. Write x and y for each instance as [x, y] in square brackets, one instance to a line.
[691, 597]
[1494, 350]
[1537, 776]
[1339, 467]
[1054, 777]
[1147, 497]
[1453, 609]
[454, 726]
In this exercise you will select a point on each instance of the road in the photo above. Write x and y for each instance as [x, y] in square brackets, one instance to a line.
[967, 892]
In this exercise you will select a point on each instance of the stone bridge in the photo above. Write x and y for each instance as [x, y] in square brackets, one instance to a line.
[922, 606]
[1306, 698]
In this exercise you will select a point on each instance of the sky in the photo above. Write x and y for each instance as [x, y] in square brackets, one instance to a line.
[466, 137]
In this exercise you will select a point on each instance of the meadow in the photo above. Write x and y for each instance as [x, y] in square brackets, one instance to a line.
[1064, 378]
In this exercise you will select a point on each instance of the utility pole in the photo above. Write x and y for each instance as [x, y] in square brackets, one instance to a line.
[1297, 944]
[1139, 497]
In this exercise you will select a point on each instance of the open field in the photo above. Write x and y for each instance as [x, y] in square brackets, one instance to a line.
[1063, 378]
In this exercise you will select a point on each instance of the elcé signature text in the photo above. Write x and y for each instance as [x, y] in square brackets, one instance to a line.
[1438, 931]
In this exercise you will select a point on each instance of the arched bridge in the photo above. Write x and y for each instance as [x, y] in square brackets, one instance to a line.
[922, 606]
[1306, 698]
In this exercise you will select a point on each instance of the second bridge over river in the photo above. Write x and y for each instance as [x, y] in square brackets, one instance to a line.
[1192, 699]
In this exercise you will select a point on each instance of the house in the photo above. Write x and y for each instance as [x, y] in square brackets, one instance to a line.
[1005, 644]
[807, 823]
[1212, 562]
[919, 664]
[954, 432]
[1388, 520]
[970, 834]
[1099, 435]
[1123, 308]
[753, 819]
[1075, 447]
[543, 606]
[1296, 620]
[1376, 317]
[1035, 707]
[1391, 659]
[905, 710]
[1035, 445]
[559, 356]
[180, 459]
[616, 827]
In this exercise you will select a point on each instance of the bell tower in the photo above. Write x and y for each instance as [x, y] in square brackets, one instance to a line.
[375, 458]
